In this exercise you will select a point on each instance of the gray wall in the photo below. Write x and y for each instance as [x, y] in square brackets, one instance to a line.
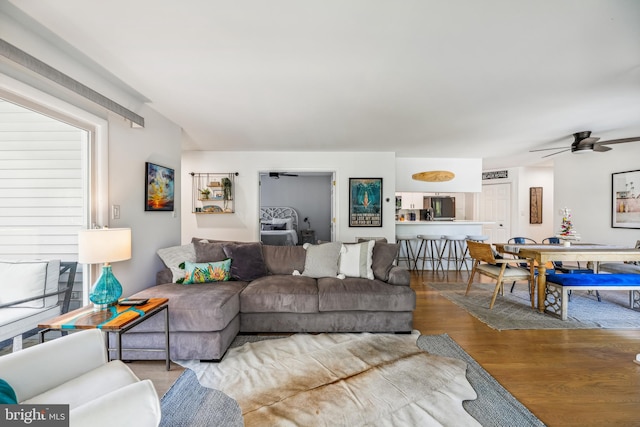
[310, 195]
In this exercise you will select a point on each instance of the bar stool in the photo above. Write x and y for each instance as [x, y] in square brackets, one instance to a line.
[476, 238]
[409, 257]
[429, 251]
[456, 247]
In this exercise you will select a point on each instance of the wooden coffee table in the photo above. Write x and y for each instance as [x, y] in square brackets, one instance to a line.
[116, 319]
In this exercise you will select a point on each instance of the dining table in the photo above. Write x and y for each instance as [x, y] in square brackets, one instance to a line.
[542, 254]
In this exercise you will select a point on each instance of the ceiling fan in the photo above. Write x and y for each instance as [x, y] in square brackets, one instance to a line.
[277, 175]
[584, 142]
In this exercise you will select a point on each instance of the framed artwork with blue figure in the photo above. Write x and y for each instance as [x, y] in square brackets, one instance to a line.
[365, 202]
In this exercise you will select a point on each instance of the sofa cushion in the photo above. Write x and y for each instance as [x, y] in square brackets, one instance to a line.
[356, 259]
[247, 261]
[283, 259]
[619, 267]
[22, 279]
[384, 255]
[207, 272]
[280, 293]
[209, 251]
[322, 260]
[194, 308]
[363, 294]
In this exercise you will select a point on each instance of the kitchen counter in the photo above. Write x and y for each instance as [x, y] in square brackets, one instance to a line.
[456, 222]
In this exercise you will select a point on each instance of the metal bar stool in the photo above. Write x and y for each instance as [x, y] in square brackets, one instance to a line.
[429, 251]
[455, 246]
[475, 238]
[409, 257]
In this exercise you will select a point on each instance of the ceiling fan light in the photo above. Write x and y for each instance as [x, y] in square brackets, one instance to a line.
[582, 149]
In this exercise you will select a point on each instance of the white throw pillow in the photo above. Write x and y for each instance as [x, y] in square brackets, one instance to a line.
[176, 255]
[356, 260]
[21, 279]
[322, 260]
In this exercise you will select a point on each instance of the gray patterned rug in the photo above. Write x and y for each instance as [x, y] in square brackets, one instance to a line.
[187, 403]
[513, 310]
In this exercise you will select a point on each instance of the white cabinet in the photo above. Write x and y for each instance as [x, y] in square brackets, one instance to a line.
[411, 200]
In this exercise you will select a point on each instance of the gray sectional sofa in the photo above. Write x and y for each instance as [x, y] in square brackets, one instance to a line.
[274, 289]
[630, 267]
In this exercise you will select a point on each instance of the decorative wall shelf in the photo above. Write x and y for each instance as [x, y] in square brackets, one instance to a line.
[213, 193]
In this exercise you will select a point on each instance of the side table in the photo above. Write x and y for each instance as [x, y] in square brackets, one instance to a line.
[308, 236]
[117, 319]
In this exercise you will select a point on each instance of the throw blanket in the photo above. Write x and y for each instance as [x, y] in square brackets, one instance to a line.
[341, 379]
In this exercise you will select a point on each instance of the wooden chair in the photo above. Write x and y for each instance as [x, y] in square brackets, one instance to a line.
[484, 262]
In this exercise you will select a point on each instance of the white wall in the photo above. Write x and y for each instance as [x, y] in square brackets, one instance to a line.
[536, 177]
[468, 174]
[129, 149]
[243, 224]
[583, 184]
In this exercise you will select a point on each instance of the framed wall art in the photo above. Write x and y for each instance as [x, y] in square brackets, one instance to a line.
[625, 203]
[365, 202]
[535, 205]
[159, 188]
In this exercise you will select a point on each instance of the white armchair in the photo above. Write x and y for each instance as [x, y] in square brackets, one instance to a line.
[74, 370]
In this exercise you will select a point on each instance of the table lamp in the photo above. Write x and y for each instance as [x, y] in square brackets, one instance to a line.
[104, 245]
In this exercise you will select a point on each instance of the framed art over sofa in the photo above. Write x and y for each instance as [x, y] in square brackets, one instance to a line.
[365, 202]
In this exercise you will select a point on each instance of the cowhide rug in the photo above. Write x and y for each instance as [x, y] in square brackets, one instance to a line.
[341, 379]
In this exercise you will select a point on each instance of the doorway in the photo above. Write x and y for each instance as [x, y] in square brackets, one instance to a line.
[311, 194]
[495, 207]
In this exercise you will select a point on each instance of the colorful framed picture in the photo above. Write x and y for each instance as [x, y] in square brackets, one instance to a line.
[625, 203]
[365, 202]
[159, 188]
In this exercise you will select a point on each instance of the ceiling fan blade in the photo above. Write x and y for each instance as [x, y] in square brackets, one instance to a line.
[553, 154]
[587, 141]
[547, 149]
[600, 148]
[620, 141]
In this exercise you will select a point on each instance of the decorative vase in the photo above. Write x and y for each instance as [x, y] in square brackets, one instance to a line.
[106, 290]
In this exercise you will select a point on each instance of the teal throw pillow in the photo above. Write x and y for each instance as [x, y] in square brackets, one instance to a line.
[206, 272]
[7, 395]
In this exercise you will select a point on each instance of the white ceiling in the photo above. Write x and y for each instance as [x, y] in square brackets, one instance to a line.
[426, 78]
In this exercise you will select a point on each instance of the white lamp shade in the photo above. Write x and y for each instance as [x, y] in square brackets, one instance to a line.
[104, 245]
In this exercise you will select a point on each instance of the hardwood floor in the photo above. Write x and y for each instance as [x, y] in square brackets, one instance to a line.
[565, 377]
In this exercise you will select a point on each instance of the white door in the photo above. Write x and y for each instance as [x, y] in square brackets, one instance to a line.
[495, 206]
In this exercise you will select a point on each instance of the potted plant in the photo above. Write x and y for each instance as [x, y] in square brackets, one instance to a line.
[226, 191]
[205, 193]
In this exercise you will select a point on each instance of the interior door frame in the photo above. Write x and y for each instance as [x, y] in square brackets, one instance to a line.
[332, 174]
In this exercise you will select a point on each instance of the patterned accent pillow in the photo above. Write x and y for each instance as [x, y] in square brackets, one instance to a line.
[206, 272]
[356, 260]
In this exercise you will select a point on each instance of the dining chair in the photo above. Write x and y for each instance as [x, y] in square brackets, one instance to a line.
[521, 241]
[484, 262]
[559, 266]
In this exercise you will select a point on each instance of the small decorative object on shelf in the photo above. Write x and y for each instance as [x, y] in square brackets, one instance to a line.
[566, 227]
[213, 193]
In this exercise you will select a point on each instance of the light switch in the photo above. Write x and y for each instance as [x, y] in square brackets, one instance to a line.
[115, 211]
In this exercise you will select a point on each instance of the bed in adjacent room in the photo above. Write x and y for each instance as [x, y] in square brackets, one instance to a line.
[279, 226]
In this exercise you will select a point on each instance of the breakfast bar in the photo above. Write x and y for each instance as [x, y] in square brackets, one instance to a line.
[412, 229]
